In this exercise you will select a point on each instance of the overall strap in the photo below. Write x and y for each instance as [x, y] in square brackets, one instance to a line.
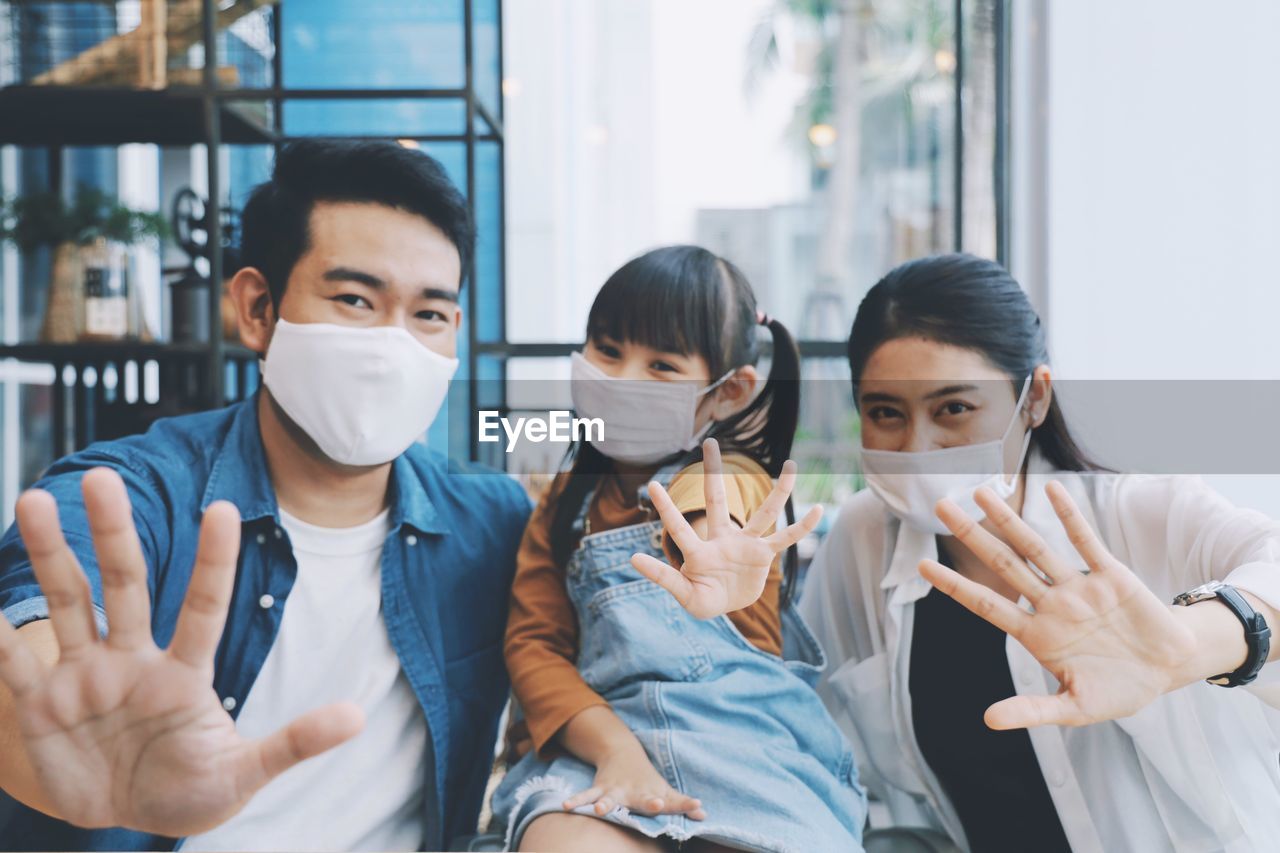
[663, 476]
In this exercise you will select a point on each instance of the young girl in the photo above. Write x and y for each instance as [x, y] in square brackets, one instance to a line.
[650, 726]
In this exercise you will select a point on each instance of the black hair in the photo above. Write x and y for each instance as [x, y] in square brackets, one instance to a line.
[275, 224]
[969, 302]
[685, 299]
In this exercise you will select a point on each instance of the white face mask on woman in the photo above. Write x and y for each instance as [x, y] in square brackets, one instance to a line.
[363, 394]
[910, 483]
[645, 420]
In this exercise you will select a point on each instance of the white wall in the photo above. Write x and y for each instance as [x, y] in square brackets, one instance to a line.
[1147, 191]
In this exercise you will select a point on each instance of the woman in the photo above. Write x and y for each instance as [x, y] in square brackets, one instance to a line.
[1076, 716]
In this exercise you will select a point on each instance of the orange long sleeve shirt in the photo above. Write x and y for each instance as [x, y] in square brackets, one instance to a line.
[542, 629]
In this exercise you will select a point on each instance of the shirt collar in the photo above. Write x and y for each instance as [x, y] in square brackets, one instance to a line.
[240, 476]
[410, 503]
[239, 472]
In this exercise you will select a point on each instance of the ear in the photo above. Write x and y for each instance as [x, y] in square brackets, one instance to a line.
[255, 312]
[1039, 395]
[736, 393]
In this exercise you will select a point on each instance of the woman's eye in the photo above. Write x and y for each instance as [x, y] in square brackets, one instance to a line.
[954, 408]
[353, 300]
[879, 414]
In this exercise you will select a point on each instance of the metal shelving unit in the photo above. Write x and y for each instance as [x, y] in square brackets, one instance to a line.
[53, 116]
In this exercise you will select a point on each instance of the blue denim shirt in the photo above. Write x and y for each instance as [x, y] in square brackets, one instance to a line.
[447, 566]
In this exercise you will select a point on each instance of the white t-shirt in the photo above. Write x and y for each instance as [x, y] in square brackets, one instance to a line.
[332, 645]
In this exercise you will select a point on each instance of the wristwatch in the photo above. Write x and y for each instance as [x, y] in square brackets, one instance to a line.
[1256, 633]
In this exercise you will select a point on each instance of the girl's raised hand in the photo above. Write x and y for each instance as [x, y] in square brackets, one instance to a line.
[726, 570]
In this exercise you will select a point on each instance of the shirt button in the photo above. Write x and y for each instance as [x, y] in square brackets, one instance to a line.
[279, 533]
[266, 601]
[1025, 679]
[262, 538]
[1057, 778]
[411, 539]
[229, 703]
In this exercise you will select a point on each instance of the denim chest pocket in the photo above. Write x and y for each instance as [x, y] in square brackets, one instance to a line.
[863, 687]
[634, 632]
[478, 678]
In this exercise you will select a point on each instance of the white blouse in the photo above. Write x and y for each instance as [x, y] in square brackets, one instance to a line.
[1198, 769]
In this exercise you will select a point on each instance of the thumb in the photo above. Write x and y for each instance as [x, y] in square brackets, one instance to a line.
[314, 732]
[1024, 712]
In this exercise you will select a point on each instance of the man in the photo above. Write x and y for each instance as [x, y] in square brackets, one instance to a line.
[353, 698]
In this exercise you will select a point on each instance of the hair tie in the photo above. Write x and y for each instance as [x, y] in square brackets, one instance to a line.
[762, 318]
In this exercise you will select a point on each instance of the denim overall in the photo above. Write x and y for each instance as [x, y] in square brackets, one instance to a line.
[738, 728]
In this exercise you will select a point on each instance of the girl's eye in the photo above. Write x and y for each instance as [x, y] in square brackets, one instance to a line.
[353, 300]
[608, 350]
[880, 414]
[664, 367]
[954, 408]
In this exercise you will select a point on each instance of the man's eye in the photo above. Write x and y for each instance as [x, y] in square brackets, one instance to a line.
[431, 315]
[353, 300]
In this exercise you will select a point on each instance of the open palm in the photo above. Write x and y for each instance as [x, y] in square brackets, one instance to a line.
[1111, 643]
[728, 569]
[120, 732]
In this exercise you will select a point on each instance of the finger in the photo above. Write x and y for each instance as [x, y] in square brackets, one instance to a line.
[992, 551]
[765, 518]
[664, 575]
[980, 600]
[1025, 541]
[315, 732]
[677, 803]
[604, 805]
[20, 669]
[792, 534]
[1024, 712]
[120, 562]
[713, 488]
[1082, 537]
[582, 798]
[62, 581]
[204, 610]
[673, 521]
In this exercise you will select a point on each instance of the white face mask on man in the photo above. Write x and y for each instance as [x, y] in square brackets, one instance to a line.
[363, 394]
[645, 420]
[910, 483]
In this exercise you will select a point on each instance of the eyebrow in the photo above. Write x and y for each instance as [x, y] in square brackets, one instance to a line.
[373, 281]
[880, 397]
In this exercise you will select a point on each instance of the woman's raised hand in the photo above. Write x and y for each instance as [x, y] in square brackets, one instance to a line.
[1111, 643]
[727, 570]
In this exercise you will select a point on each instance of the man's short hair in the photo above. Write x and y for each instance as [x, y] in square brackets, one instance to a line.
[275, 224]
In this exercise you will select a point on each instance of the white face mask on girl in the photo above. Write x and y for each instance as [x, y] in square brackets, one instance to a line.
[363, 394]
[911, 483]
[645, 420]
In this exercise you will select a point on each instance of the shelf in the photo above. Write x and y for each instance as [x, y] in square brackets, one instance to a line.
[91, 115]
[99, 351]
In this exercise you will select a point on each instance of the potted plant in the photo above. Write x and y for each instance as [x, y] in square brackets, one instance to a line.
[89, 294]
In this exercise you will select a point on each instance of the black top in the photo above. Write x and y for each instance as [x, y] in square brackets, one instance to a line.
[958, 670]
